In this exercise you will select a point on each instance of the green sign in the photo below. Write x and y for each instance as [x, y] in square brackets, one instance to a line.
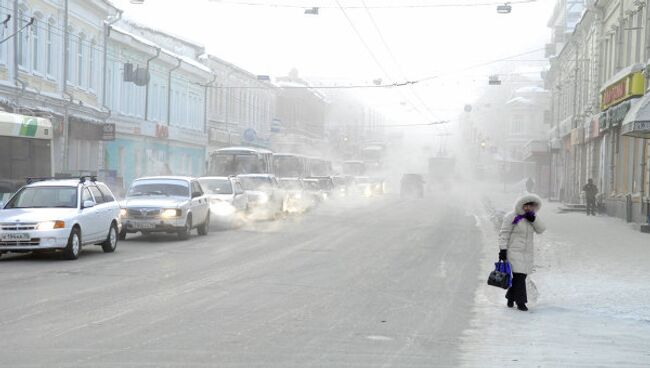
[28, 127]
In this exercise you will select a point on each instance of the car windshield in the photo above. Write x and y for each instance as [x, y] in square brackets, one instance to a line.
[146, 188]
[216, 186]
[255, 183]
[290, 184]
[44, 197]
[312, 184]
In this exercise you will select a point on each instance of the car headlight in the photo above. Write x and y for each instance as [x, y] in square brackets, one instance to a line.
[171, 212]
[50, 225]
[123, 212]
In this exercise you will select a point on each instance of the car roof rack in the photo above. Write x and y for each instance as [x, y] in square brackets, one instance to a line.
[30, 180]
[82, 179]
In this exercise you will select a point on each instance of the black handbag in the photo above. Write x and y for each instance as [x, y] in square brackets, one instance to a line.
[502, 274]
[500, 277]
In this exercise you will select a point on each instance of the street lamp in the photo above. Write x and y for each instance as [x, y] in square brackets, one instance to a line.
[504, 9]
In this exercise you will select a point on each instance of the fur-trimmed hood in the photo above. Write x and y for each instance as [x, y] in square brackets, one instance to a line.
[519, 205]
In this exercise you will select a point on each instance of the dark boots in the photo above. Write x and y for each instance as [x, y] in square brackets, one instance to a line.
[522, 307]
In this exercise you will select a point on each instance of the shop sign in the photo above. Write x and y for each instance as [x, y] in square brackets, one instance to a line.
[108, 132]
[85, 130]
[162, 131]
[638, 129]
[632, 85]
[616, 114]
[592, 127]
[577, 136]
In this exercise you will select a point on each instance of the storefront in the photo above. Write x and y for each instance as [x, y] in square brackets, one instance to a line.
[25, 149]
[622, 153]
[155, 149]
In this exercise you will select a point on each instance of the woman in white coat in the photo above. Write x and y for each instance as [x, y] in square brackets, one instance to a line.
[516, 244]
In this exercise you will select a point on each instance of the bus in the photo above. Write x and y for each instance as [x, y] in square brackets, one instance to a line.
[290, 165]
[319, 167]
[26, 151]
[240, 160]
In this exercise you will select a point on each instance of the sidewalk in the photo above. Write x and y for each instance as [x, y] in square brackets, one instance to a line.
[592, 305]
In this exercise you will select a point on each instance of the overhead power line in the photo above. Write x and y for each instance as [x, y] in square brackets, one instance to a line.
[357, 7]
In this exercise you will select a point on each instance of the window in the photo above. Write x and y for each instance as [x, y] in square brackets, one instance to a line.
[106, 193]
[81, 54]
[85, 196]
[50, 57]
[23, 39]
[70, 60]
[99, 199]
[37, 63]
[91, 65]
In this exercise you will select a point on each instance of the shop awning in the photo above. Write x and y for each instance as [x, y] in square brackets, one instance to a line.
[637, 120]
[16, 125]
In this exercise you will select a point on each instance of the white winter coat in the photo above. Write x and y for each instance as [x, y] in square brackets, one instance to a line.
[518, 239]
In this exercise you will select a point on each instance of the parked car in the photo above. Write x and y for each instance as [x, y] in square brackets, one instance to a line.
[266, 199]
[299, 199]
[62, 215]
[228, 200]
[165, 204]
[412, 185]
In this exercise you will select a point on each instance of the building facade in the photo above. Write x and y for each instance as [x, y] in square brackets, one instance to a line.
[598, 78]
[241, 106]
[52, 67]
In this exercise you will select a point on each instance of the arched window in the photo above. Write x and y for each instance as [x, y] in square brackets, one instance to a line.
[81, 56]
[51, 54]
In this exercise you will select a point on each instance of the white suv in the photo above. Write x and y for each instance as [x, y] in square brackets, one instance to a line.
[61, 214]
[165, 204]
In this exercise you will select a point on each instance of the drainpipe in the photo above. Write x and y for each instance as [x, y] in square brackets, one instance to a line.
[69, 100]
[146, 91]
[17, 80]
[169, 89]
[205, 103]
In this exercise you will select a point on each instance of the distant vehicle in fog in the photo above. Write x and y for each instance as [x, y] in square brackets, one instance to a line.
[319, 167]
[290, 165]
[228, 200]
[324, 184]
[354, 168]
[298, 198]
[240, 160]
[266, 199]
[63, 215]
[412, 185]
[165, 204]
[372, 155]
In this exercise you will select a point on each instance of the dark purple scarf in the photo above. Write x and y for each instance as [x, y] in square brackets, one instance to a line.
[519, 218]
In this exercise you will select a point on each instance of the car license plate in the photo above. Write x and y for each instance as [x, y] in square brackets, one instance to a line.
[143, 225]
[15, 237]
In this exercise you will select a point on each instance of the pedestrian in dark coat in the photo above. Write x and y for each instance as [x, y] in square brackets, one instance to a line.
[516, 245]
[591, 191]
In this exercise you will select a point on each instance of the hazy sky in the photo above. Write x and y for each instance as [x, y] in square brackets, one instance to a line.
[423, 42]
